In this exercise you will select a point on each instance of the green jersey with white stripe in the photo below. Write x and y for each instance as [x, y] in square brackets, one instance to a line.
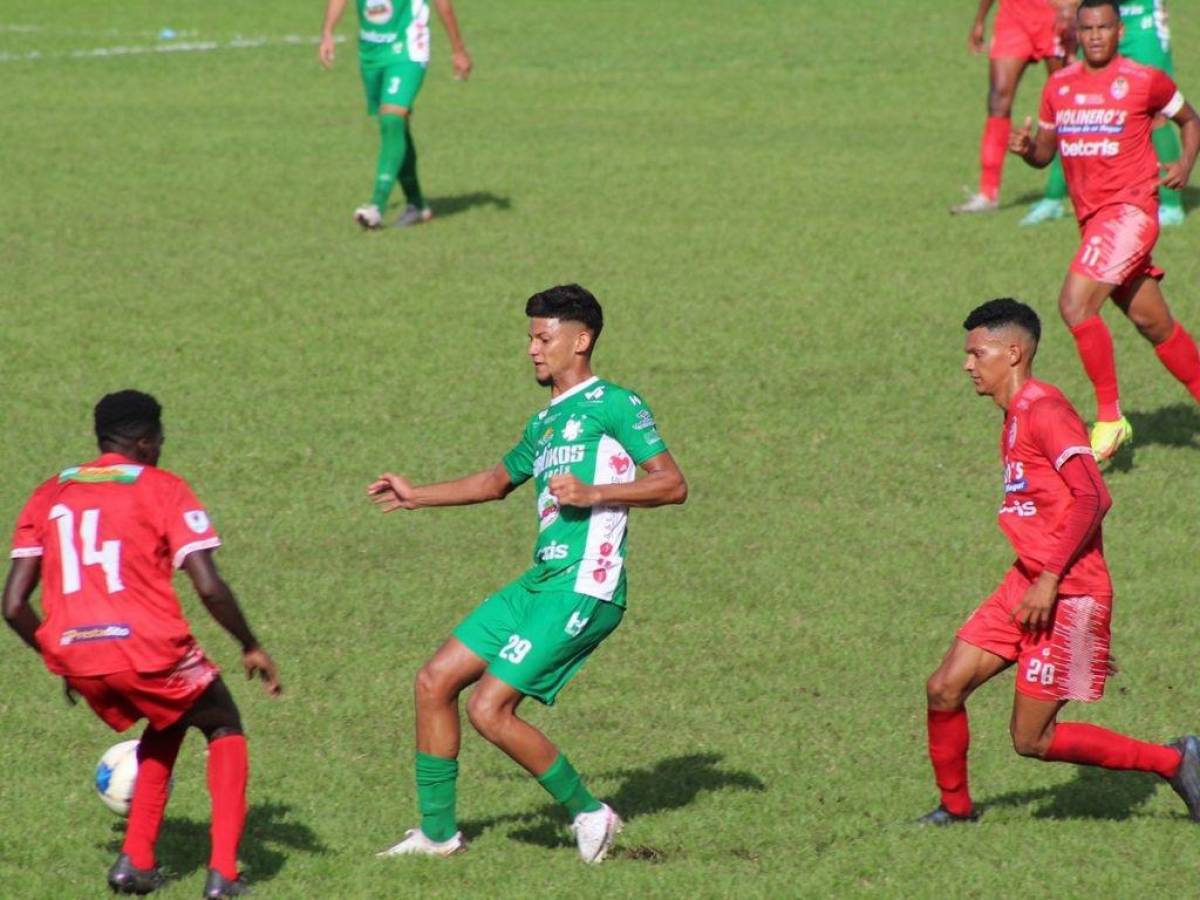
[392, 31]
[600, 433]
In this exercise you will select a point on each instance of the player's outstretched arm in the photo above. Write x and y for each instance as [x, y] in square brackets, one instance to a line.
[391, 492]
[1177, 174]
[460, 58]
[327, 49]
[662, 485]
[18, 588]
[218, 599]
[1036, 149]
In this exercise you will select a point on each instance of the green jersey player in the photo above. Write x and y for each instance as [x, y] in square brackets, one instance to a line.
[1145, 38]
[530, 637]
[393, 52]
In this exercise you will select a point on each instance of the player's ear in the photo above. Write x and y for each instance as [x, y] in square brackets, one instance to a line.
[583, 341]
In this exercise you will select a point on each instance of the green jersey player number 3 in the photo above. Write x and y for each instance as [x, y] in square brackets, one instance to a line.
[529, 639]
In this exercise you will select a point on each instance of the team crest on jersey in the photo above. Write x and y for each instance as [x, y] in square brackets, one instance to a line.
[1119, 88]
[572, 429]
[378, 12]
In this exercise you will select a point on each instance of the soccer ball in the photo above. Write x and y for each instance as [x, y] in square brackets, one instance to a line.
[116, 774]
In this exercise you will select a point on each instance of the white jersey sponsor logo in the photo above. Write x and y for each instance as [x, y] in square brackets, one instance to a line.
[1089, 148]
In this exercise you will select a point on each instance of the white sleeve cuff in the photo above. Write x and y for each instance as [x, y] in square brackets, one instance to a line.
[25, 552]
[1070, 452]
[1174, 105]
[183, 552]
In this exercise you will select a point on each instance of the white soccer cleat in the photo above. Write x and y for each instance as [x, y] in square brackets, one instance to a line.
[975, 203]
[595, 833]
[414, 215]
[368, 216]
[416, 844]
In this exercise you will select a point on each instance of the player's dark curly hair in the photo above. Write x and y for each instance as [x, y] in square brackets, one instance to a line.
[570, 303]
[127, 415]
[1004, 311]
[1094, 4]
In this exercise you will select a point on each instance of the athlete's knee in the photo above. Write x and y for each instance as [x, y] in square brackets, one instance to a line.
[388, 109]
[432, 685]
[942, 693]
[1073, 309]
[214, 713]
[486, 717]
[1000, 99]
[1029, 745]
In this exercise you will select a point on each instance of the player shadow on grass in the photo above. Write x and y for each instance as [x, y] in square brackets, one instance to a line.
[1177, 425]
[456, 203]
[183, 843]
[1093, 794]
[671, 783]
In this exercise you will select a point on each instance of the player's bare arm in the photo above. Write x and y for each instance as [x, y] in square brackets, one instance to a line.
[218, 599]
[18, 588]
[975, 38]
[327, 49]
[1177, 174]
[662, 485]
[459, 56]
[391, 492]
[1038, 148]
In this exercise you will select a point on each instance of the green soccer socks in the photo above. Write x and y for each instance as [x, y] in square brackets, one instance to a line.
[564, 785]
[436, 795]
[393, 147]
[407, 175]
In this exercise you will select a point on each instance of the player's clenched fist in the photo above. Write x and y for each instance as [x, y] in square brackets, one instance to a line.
[1020, 141]
[256, 661]
[570, 491]
[391, 492]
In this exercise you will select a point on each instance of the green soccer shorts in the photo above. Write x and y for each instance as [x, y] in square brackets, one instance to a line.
[535, 641]
[1148, 50]
[395, 84]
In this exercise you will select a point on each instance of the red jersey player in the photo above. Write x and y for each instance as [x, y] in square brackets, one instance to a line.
[1098, 114]
[103, 539]
[1050, 614]
[1025, 31]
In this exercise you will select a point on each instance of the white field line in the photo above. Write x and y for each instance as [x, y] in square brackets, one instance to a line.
[237, 43]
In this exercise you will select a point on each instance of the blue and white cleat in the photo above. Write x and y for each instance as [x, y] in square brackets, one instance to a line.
[1045, 210]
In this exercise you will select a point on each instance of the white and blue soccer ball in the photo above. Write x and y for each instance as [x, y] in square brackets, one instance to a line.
[116, 776]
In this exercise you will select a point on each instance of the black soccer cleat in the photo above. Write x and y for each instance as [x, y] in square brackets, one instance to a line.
[126, 878]
[942, 817]
[1186, 782]
[217, 886]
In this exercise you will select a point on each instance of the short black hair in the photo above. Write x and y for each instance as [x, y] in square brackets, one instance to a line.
[127, 415]
[570, 303]
[1096, 4]
[1004, 311]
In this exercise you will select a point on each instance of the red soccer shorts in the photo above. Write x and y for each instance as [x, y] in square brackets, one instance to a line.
[1068, 661]
[1026, 34]
[1116, 246]
[120, 699]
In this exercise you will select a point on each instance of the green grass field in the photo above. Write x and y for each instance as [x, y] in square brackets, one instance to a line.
[757, 193]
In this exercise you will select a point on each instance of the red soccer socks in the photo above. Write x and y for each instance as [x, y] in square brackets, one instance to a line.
[228, 769]
[949, 739]
[1090, 745]
[992, 151]
[1178, 353]
[156, 758]
[1094, 342]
